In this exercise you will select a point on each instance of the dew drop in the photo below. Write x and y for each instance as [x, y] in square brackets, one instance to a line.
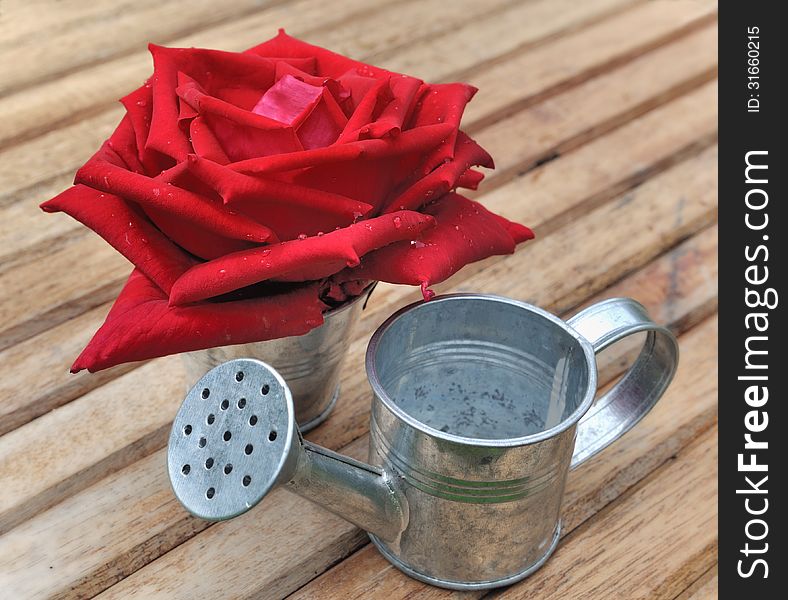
[397, 222]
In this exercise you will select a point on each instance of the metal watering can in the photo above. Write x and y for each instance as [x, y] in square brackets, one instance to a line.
[481, 406]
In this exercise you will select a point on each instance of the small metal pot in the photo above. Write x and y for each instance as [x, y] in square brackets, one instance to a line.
[310, 363]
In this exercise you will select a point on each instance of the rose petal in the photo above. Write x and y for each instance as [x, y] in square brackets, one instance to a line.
[126, 230]
[465, 232]
[323, 125]
[409, 142]
[205, 143]
[289, 101]
[298, 260]
[384, 110]
[310, 109]
[327, 63]
[288, 209]
[141, 324]
[446, 177]
[334, 86]
[192, 208]
[441, 103]
[241, 133]
[214, 70]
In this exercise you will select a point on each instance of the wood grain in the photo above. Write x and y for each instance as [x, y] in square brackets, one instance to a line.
[705, 588]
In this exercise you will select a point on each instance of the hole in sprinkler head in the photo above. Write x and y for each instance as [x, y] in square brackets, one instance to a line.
[248, 449]
[241, 402]
[228, 469]
[265, 389]
[210, 493]
[272, 436]
[209, 463]
[246, 480]
[211, 418]
[239, 376]
[187, 430]
[224, 404]
[227, 435]
[253, 420]
[205, 393]
[185, 469]
[202, 442]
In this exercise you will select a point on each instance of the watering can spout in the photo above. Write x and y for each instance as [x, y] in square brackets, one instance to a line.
[235, 438]
[360, 493]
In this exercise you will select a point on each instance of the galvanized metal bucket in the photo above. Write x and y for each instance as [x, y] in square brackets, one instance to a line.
[310, 363]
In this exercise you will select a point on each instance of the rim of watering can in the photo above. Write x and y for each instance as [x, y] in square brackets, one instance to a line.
[513, 442]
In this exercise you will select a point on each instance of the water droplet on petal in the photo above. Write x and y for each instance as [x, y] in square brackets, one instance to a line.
[301, 236]
[397, 222]
[156, 192]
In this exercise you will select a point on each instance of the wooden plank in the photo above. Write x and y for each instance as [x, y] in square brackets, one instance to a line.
[36, 297]
[45, 360]
[555, 193]
[705, 588]
[657, 438]
[77, 94]
[25, 18]
[535, 132]
[571, 59]
[653, 200]
[140, 533]
[572, 118]
[161, 578]
[97, 31]
[82, 442]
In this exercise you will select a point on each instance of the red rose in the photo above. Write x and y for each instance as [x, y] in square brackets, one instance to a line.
[251, 190]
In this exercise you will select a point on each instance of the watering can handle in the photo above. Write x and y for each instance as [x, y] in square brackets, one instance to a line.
[618, 410]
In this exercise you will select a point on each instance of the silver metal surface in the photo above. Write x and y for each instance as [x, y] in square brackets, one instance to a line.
[309, 363]
[477, 403]
[232, 440]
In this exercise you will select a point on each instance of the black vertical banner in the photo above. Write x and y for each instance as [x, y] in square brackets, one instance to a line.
[753, 370]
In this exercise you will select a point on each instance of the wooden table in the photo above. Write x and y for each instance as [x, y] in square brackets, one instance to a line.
[601, 116]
